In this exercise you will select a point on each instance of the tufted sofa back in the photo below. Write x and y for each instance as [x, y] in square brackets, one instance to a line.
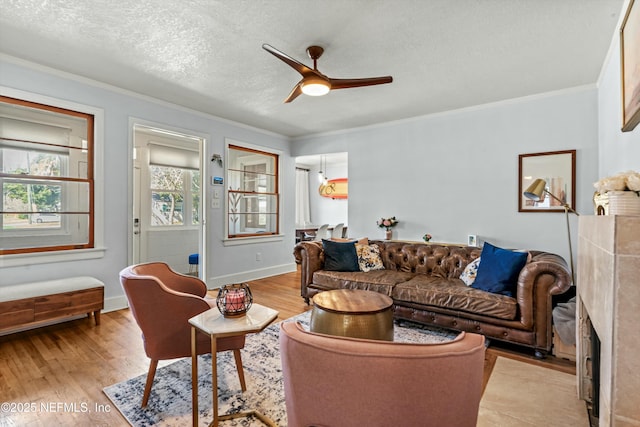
[445, 261]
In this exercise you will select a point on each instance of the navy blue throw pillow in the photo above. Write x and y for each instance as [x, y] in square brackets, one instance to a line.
[340, 256]
[498, 272]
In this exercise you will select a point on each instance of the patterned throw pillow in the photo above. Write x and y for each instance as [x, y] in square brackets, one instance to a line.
[369, 257]
[468, 276]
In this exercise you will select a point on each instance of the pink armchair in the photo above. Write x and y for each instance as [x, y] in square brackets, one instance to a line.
[162, 301]
[343, 382]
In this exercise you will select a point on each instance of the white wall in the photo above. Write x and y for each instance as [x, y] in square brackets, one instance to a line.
[224, 263]
[456, 173]
[618, 151]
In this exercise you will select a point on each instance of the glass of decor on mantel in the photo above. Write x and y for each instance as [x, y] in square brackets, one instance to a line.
[234, 300]
[387, 223]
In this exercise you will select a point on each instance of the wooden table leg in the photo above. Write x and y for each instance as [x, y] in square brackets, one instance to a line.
[214, 379]
[194, 378]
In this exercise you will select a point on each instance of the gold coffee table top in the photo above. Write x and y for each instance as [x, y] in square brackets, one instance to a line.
[352, 301]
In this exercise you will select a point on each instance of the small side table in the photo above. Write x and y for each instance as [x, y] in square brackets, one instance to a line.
[353, 313]
[214, 324]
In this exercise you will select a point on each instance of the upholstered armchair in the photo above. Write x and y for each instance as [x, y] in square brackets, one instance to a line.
[162, 302]
[344, 382]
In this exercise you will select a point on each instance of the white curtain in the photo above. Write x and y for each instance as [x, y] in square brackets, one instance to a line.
[303, 215]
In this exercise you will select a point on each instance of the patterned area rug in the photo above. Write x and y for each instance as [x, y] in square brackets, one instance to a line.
[170, 400]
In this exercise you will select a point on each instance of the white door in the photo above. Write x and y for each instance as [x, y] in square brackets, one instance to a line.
[167, 190]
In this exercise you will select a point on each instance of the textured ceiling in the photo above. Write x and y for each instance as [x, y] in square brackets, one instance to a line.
[207, 54]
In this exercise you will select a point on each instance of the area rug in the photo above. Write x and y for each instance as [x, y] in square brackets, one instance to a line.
[170, 400]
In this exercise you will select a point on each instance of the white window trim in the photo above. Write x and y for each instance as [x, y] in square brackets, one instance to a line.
[98, 251]
[226, 241]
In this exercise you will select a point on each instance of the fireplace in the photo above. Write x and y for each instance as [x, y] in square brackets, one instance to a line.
[590, 375]
[608, 302]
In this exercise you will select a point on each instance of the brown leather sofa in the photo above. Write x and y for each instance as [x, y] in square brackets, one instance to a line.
[423, 280]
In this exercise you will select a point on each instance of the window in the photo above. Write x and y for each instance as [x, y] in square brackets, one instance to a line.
[173, 190]
[46, 175]
[253, 197]
[175, 184]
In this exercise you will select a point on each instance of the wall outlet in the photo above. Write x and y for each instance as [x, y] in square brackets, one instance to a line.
[258, 256]
[215, 203]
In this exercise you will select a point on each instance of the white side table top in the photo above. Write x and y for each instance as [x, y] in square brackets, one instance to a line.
[212, 322]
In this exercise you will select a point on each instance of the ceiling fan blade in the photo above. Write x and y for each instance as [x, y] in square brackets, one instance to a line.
[369, 81]
[295, 92]
[299, 67]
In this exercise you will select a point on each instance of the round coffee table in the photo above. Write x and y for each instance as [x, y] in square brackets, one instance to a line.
[353, 313]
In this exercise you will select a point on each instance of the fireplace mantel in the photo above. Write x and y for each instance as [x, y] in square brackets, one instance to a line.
[608, 298]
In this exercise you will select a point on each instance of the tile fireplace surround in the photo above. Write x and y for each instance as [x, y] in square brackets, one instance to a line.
[608, 285]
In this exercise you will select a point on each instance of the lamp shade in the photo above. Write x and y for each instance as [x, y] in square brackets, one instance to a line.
[315, 86]
[535, 190]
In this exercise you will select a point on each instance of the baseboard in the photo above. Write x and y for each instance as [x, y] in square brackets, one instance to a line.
[246, 276]
[115, 303]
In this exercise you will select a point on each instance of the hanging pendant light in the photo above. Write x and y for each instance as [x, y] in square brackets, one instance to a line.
[320, 174]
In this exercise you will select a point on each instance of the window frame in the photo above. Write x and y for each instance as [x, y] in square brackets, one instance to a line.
[95, 227]
[238, 238]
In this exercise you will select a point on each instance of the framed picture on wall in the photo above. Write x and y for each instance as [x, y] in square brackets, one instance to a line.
[558, 170]
[630, 66]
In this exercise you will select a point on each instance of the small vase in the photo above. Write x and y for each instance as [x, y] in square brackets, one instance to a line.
[389, 233]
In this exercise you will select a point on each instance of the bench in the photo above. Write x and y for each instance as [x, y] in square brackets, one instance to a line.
[33, 304]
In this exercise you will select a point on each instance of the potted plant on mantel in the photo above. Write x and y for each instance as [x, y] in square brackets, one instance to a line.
[387, 223]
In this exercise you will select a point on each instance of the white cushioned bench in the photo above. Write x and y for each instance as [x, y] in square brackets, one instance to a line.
[30, 304]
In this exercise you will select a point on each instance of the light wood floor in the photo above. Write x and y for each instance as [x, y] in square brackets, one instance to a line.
[54, 375]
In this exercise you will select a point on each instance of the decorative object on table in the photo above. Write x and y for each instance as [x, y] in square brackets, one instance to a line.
[472, 240]
[630, 63]
[427, 237]
[234, 300]
[387, 223]
[558, 170]
[618, 194]
[536, 192]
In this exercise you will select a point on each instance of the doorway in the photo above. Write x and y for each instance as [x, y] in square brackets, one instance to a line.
[167, 199]
[329, 167]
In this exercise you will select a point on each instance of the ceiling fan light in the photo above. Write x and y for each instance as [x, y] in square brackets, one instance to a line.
[313, 86]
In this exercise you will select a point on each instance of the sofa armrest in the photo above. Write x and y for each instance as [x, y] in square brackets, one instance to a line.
[547, 274]
[310, 256]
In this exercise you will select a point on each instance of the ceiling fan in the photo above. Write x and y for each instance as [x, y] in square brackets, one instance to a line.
[315, 83]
